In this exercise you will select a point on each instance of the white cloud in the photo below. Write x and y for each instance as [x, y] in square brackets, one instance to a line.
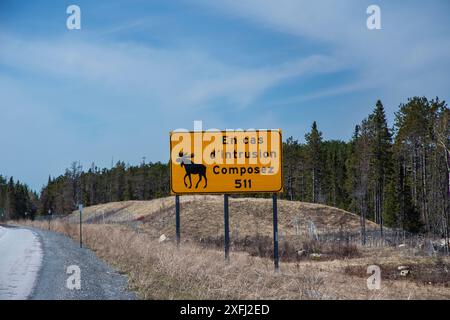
[169, 77]
[67, 100]
[322, 20]
[414, 39]
[246, 85]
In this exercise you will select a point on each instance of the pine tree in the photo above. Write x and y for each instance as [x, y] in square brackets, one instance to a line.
[335, 172]
[291, 162]
[314, 160]
[381, 159]
[358, 166]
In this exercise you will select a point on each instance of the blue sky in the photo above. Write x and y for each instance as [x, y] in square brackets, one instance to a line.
[138, 69]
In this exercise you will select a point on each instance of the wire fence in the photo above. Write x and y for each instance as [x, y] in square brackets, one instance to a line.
[394, 238]
[428, 244]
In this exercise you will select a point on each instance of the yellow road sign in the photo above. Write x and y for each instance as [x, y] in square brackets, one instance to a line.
[226, 162]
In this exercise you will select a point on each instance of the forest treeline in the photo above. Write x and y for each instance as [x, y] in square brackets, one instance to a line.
[17, 201]
[397, 176]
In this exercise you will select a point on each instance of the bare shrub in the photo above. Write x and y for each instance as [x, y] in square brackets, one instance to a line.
[333, 250]
[257, 246]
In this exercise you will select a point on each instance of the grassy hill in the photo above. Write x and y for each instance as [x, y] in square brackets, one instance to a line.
[202, 217]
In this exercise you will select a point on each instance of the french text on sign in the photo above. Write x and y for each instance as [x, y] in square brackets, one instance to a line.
[226, 161]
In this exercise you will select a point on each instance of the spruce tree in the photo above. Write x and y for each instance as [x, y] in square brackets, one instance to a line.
[315, 161]
[381, 159]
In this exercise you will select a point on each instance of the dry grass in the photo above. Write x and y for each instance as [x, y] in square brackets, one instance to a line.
[197, 270]
[434, 273]
[161, 271]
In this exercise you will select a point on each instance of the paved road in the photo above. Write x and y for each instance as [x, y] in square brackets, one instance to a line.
[46, 269]
[20, 262]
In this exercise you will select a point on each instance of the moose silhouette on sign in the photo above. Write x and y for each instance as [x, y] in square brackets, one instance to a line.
[192, 168]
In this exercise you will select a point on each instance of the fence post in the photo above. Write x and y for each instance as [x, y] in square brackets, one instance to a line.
[80, 208]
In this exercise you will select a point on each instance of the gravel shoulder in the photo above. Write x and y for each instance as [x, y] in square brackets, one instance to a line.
[98, 280]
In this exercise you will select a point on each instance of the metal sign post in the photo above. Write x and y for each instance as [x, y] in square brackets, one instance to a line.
[275, 233]
[80, 208]
[177, 218]
[227, 227]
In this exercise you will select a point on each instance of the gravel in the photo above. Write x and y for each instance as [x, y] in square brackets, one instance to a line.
[98, 280]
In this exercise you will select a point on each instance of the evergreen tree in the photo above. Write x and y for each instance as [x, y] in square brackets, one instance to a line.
[381, 159]
[314, 160]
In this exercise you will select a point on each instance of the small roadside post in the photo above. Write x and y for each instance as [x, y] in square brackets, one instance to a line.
[227, 228]
[80, 208]
[49, 218]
